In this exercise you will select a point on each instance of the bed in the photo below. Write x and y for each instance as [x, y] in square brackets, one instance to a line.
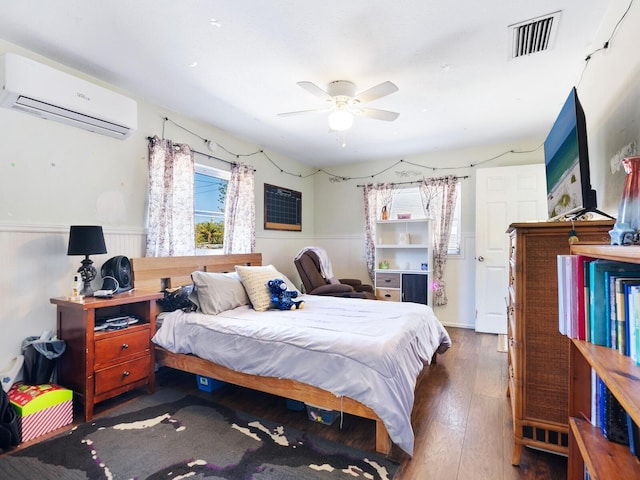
[360, 357]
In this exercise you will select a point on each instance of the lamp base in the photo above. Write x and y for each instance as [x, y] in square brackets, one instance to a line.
[87, 291]
[87, 272]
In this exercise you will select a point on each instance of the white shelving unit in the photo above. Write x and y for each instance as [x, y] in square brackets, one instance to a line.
[405, 245]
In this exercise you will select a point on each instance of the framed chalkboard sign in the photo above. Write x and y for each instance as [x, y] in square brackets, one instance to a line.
[282, 209]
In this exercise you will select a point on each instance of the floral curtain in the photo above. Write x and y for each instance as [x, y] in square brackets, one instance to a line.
[439, 202]
[376, 196]
[240, 211]
[171, 171]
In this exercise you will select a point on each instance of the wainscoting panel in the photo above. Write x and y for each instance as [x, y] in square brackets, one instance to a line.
[34, 267]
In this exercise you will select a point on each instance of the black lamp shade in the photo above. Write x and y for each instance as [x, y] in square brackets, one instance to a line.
[86, 240]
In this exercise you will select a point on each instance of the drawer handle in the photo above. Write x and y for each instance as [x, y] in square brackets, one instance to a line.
[388, 280]
[125, 374]
[387, 295]
[125, 346]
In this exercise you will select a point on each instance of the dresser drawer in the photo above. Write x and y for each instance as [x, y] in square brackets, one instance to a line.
[118, 348]
[389, 294]
[122, 374]
[387, 280]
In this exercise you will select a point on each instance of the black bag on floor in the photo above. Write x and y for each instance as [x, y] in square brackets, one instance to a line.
[9, 430]
[40, 358]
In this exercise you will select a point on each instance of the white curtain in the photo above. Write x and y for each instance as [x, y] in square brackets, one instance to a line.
[439, 202]
[171, 225]
[376, 196]
[240, 211]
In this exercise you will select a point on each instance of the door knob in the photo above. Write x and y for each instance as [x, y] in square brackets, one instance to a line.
[481, 258]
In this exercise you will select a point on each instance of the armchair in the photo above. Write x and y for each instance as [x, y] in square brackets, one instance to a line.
[310, 270]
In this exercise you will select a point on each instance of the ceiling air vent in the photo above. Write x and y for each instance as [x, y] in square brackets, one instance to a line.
[535, 35]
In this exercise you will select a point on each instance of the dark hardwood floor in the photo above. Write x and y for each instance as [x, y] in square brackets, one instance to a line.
[461, 418]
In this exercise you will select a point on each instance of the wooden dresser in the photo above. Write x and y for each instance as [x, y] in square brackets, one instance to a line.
[538, 354]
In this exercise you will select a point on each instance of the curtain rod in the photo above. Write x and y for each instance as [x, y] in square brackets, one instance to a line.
[416, 181]
[206, 155]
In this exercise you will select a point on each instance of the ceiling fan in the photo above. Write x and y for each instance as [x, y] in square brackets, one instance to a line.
[344, 103]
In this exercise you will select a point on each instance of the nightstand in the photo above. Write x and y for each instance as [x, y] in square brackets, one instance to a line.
[98, 365]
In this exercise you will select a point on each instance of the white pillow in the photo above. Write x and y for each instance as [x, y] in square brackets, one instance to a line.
[218, 292]
[255, 281]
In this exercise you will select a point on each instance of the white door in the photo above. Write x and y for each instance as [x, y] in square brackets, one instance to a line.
[504, 195]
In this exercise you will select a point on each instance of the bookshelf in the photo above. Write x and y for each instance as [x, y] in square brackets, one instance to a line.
[587, 446]
[405, 245]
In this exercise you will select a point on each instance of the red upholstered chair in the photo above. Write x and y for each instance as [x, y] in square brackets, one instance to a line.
[308, 266]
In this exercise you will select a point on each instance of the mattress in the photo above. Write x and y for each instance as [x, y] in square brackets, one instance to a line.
[370, 351]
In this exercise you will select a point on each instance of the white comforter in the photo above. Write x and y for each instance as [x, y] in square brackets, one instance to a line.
[371, 351]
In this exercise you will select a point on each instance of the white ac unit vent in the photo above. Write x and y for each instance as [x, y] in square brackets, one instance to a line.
[535, 35]
[40, 90]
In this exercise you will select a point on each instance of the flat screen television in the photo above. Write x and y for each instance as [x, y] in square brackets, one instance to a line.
[566, 158]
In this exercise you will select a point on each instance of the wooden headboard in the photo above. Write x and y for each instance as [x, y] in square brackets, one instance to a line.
[157, 273]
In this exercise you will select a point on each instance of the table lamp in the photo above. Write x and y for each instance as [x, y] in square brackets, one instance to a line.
[86, 240]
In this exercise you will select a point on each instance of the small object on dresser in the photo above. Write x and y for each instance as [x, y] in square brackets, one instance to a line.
[75, 290]
[573, 237]
[103, 293]
[404, 216]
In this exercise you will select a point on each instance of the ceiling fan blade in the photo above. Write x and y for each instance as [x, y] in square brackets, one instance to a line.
[315, 90]
[377, 114]
[381, 90]
[302, 112]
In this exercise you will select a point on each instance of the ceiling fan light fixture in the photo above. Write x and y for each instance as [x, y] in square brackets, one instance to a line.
[340, 120]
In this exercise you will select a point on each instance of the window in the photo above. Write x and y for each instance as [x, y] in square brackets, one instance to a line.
[408, 200]
[210, 189]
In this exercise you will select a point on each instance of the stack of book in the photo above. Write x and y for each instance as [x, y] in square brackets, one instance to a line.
[614, 422]
[599, 301]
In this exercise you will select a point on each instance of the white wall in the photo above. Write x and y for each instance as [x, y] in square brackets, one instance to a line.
[610, 94]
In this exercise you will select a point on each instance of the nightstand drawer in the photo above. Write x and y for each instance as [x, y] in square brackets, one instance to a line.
[388, 294]
[388, 280]
[122, 374]
[118, 348]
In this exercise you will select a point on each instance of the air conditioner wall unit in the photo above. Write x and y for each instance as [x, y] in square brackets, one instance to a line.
[41, 90]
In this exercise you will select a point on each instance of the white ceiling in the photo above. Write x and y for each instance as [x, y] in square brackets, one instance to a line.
[458, 86]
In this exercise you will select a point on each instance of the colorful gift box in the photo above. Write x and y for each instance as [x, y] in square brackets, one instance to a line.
[41, 408]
